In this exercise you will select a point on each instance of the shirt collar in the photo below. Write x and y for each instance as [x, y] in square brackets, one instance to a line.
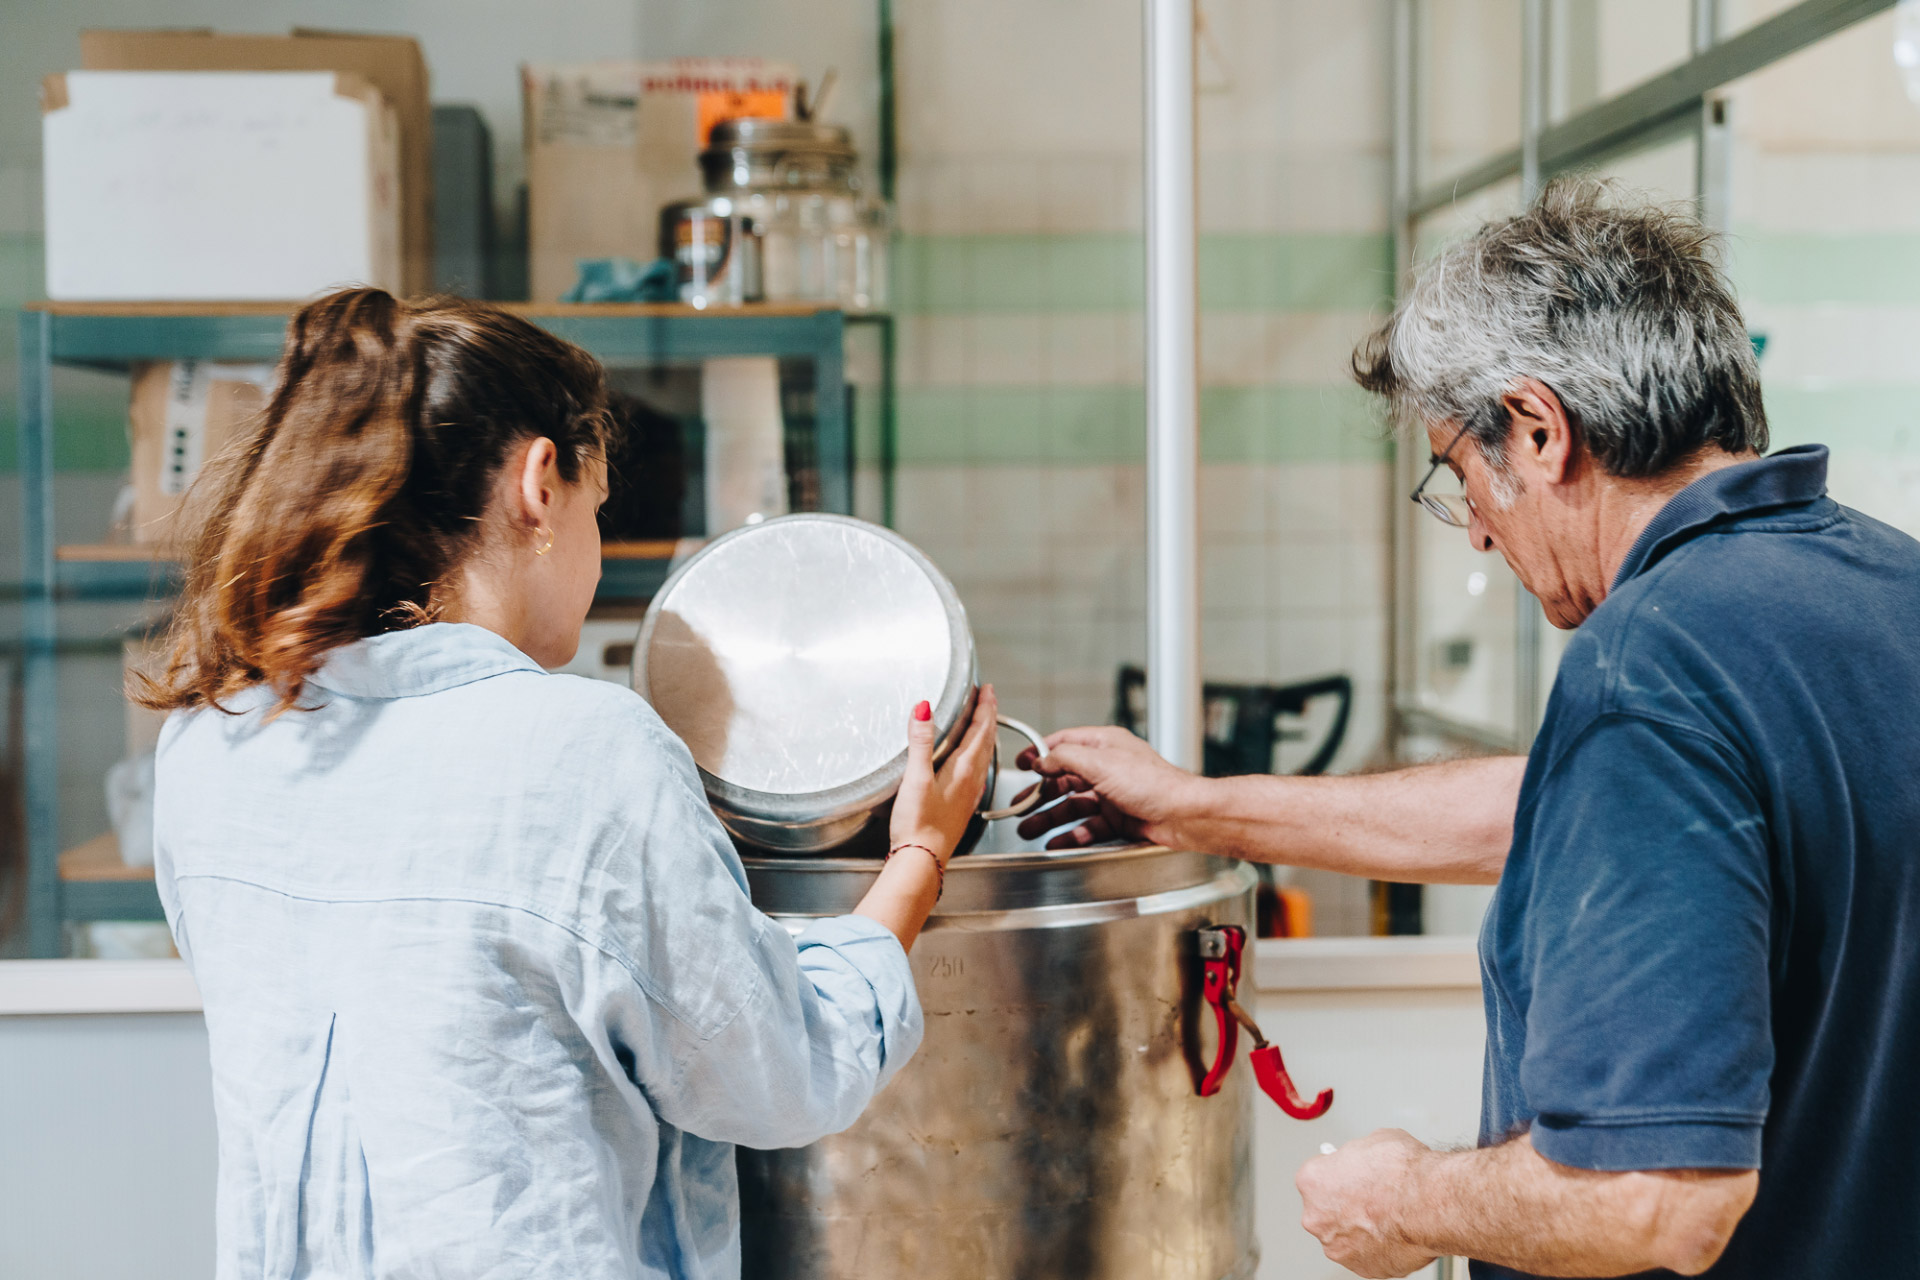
[419, 660]
[1791, 477]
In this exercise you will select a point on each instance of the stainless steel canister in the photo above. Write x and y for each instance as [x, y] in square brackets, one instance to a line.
[715, 251]
[786, 654]
[1049, 1127]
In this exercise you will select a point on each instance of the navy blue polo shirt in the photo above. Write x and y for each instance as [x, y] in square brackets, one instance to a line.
[1705, 948]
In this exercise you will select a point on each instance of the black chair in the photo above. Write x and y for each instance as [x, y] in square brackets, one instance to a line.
[1242, 721]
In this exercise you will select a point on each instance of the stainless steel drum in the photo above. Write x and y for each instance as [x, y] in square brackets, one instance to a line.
[1048, 1128]
[786, 655]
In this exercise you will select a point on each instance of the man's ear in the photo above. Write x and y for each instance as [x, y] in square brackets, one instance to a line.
[1540, 440]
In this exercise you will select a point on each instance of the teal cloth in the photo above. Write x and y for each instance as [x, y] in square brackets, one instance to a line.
[624, 280]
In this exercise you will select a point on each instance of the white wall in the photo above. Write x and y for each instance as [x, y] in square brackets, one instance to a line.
[1396, 1059]
[107, 1141]
[106, 1148]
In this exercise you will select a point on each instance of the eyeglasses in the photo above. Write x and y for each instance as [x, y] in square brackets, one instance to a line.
[1454, 509]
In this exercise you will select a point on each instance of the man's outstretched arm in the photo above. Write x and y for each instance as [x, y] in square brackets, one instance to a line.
[1386, 1205]
[1446, 823]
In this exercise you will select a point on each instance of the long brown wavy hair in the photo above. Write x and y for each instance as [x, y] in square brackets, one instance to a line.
[365, 483]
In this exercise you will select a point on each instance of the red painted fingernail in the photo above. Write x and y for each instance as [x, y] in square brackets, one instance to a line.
[923, 712]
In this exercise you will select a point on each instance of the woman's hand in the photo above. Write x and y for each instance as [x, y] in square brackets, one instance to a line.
[933, 807]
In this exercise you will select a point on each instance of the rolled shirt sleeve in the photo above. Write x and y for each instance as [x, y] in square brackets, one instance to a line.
[835, 1016]
[1648, 1034]
[856, 963]
[735, 1030]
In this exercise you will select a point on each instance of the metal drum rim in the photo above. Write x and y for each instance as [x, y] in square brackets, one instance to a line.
[823, 808]
[970, 863]
[1230, 881]
[1013, 890]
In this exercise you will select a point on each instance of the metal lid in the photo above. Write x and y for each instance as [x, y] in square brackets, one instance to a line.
[786, 655]
[780, 136]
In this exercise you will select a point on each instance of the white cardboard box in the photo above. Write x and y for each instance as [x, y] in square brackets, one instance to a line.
[218, 184]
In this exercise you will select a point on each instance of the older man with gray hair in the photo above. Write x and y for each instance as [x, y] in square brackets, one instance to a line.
[1701, 963]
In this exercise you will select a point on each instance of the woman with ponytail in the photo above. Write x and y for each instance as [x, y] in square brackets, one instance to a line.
[484, 991]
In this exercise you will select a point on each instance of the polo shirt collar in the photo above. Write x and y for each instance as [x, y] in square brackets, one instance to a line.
[419, 660]
[1788, 478]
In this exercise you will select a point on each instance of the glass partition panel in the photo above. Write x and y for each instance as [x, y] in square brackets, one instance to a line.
[1469, 78]
[1475, 627]
[1825, 255]
[1598, 48]
[1666, 174]
[1737, 15]
[1464, 601]
[1469, 635]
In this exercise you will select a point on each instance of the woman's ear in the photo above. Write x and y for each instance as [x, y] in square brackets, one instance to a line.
[1540, 443]
[538, 479]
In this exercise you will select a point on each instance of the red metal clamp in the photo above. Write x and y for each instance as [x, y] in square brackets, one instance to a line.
[1221, 948]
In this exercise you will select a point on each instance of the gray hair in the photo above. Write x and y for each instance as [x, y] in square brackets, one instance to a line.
[1622, 312]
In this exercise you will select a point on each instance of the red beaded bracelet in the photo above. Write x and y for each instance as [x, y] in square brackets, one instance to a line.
[939, 867]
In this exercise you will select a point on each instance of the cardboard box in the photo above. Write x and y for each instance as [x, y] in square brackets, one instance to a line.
[182, 414]
[392, 64]
[217, 185]
[610, 142]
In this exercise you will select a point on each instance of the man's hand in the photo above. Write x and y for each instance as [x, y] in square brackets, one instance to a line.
[1118, 788]
[1448, 823]
[1350, 1196]
[1385, 1205]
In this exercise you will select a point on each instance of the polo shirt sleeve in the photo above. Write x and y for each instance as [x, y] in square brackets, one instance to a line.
[1649, 1039]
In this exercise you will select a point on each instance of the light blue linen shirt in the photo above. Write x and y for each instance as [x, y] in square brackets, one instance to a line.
[485, 992]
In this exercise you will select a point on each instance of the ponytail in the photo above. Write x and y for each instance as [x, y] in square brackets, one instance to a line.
[363, 486]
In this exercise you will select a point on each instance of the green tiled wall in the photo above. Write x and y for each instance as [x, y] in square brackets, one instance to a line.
[1879, 420]
[1860, 268]
[1002, 424]
[1037, 425]
[945, 275]
[998, 424]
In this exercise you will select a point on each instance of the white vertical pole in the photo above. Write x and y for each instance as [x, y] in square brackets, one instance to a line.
[1713, 152]
[1173, 386]
[1706, 24]
[1533, 121]
[1402, 674]
[1533, 93]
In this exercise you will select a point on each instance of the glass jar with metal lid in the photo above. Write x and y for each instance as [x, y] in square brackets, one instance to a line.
[823, 238]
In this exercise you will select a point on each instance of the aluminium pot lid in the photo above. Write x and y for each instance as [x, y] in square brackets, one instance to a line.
[787, 654]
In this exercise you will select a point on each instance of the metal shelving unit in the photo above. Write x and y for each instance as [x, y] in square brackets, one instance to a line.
[114, 336]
